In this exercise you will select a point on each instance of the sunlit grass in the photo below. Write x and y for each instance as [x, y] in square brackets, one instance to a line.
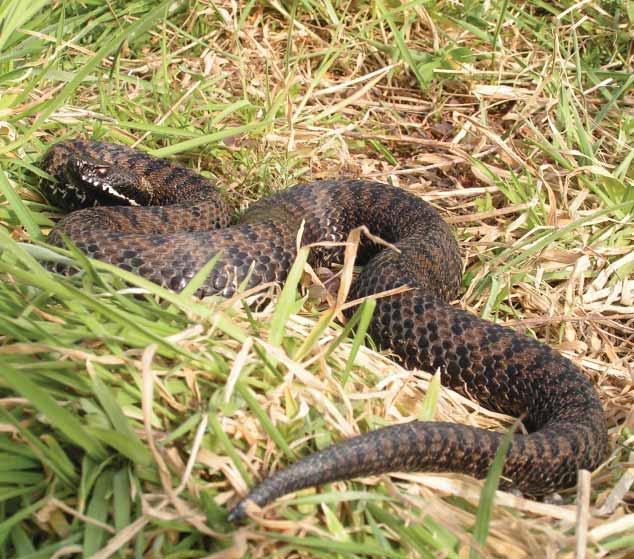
[132, 417]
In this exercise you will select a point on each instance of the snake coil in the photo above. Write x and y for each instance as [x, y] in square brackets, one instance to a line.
[174, 221]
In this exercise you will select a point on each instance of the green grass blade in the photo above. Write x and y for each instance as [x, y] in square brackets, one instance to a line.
[215, 426]
[485, 507]
[365, 317]
[430, 402]
[402, 45]
[98, 510]
[264, 420]
[286, 303]
[60, 417]
[20, 209]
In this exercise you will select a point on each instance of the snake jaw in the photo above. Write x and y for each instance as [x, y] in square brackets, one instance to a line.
[106, 183]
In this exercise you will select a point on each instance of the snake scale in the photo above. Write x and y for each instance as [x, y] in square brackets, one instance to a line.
[165, 222]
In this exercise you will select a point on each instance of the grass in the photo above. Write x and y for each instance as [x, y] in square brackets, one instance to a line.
[131, 417]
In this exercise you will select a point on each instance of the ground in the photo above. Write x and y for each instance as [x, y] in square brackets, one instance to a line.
[132, 417]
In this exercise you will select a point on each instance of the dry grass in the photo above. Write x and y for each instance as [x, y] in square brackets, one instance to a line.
[514, 119]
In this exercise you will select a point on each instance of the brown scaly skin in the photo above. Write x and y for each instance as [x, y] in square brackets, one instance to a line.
[499, 368]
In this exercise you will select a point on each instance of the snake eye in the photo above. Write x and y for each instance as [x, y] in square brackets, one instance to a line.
[86, 168]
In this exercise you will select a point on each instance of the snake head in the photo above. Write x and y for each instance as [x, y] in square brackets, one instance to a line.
[104, 183]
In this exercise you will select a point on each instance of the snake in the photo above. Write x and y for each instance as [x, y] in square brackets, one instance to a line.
[163, 221]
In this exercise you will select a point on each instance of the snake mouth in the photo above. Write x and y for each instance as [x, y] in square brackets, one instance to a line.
[106, 183]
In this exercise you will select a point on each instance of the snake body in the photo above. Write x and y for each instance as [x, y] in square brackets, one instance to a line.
[186, 224]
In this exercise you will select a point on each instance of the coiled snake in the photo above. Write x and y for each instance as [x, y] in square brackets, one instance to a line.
[174, 221]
